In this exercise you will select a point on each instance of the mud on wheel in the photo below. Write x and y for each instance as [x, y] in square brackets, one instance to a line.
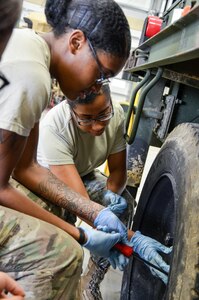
[168, 211]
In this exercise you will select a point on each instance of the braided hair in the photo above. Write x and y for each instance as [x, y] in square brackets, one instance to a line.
[102, 21]
[105, 89]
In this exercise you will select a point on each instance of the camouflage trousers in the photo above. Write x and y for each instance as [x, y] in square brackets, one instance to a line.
[46, 261]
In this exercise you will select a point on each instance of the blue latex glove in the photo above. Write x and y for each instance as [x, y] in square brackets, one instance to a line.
[116, 259]
[148, 248]
[100, 243]
[109, 219]
[117, 203]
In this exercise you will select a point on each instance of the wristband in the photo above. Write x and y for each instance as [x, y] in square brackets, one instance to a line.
[82, 238]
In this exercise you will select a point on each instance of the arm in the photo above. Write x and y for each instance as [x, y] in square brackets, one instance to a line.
[41, 181]
[11, 149]
[70, 176]
[118, 174]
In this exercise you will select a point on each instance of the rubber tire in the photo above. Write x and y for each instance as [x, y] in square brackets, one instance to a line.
[169, 203]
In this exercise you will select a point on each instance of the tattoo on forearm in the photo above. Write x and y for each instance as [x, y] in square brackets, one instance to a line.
[56, 191]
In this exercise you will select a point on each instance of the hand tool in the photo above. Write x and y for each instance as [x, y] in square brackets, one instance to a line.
[128, 251]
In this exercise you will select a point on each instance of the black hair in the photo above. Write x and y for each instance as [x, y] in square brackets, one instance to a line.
[102, 21]
[9, 14]
[91, 97]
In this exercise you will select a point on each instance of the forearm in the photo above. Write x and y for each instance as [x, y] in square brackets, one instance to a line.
[57, 192]
[116, 182]
[70, 176]
[130, 234]
[12, 198]
[41, 181]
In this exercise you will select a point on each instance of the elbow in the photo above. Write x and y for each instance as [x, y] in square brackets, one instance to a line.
[123, 180]
[22, 172]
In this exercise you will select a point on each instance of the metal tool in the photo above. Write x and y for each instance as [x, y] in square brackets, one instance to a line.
[128, 251]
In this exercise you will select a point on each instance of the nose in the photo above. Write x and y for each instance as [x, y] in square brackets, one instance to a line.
[97, 125]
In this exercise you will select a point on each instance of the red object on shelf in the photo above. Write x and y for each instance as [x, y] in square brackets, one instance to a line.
[153, 26]
[124, 249]
[186, 9]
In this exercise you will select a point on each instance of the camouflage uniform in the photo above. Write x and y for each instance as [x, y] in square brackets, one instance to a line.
[45, 260]
[95, 184]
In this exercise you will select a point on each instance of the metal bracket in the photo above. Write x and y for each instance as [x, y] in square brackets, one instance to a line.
[152, 113]
[162, 126]
[141, 101]
[141, 53]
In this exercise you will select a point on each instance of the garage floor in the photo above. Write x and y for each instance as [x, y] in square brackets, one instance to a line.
[111, 285]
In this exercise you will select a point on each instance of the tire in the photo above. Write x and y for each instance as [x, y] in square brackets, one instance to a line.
[168, 210]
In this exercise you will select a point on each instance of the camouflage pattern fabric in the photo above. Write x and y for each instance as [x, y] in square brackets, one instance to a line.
[46, 261]
[95, 184]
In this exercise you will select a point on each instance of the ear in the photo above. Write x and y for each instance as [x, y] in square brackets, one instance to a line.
[77, 40]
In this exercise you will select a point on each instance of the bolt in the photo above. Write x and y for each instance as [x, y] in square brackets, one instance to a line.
[178, 101]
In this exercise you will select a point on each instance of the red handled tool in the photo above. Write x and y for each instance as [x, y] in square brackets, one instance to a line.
[128, 251]
[124, 249]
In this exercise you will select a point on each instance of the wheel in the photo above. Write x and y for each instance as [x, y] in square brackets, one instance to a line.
[168, 210]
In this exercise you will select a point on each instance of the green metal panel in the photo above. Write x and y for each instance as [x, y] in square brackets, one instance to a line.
[177, 43]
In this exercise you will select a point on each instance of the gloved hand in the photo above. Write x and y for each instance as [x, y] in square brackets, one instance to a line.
[117, 203]
[148, 248]
[109, 219]
[100, 243]
[116, 259]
